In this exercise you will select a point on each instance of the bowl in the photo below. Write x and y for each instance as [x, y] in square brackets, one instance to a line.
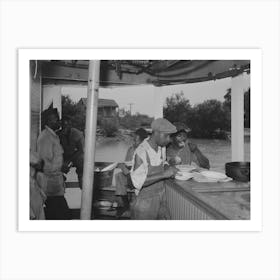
[238, 170]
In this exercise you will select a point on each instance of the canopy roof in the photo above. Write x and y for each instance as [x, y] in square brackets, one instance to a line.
[137, 72]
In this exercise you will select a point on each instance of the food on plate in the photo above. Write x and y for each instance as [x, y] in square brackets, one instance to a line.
[210, 177]
[185, 167]
[213, 175]
[198, 177]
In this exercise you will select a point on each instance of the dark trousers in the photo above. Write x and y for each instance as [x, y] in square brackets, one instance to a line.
[57, 208]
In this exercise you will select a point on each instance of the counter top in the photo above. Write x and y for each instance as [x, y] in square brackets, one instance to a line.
[230, 200]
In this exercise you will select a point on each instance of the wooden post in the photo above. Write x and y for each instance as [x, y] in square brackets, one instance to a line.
[237, 118]
[90, 137]
[158, 102]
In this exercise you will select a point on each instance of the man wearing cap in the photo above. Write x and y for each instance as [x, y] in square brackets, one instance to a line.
[51, 180]
[179, 151]
[148, 174]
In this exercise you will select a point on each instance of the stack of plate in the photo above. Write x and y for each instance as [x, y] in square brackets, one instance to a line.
[211, 176]
[185, 167]
[184, 172]
[183, 176]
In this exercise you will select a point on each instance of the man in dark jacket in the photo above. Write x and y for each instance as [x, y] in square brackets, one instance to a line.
[72, 141]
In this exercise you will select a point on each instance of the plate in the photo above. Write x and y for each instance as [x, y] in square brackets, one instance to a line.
[185, 167]
[198, 177]
[228, 179]
[183, 176]
[214, 175]
[202, 179]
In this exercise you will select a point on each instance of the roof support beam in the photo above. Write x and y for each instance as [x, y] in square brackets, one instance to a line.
[158, 109]
[237, 118]
[90, 139]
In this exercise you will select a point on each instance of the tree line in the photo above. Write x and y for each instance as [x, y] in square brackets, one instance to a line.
[209, 119]
[107, 126]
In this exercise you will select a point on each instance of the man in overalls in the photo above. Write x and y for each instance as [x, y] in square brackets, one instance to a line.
[148, 174]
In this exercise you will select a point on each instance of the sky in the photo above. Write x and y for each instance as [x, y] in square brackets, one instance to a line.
[142, 97]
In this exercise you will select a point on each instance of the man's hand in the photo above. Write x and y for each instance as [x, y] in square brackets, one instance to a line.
[170, 172]
[174, 161]
[123, 168]
[121, 165]
[193, 147]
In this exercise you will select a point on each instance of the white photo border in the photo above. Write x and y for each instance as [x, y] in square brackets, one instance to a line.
[25, 55]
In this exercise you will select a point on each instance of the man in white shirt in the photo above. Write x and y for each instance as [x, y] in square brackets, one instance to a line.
[123, 180]
[148, 174]
[51, 179]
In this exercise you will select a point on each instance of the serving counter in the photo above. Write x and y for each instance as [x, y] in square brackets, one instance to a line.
[190, 200]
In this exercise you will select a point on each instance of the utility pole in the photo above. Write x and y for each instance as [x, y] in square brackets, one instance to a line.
[130, 107]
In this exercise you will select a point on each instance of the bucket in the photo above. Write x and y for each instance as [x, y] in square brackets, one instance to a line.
[102, 179]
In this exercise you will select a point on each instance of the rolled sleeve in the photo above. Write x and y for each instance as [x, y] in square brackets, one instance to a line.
[139, 176]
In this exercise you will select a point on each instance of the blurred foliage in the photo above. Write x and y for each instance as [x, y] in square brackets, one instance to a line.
[247, 111]
[109, 126]
[77, 115]
[247, 108]
[135, 121]
[209, 119]
[177, 108]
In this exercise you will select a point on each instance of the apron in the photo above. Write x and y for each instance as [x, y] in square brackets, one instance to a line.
[151, 203]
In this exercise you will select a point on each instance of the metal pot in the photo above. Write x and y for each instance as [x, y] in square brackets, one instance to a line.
[238, 170]
[103, 179]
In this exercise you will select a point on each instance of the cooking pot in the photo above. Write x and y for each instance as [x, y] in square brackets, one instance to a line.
[238, 170]
[102, 179]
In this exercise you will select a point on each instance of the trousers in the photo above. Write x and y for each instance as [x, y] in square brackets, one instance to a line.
[151, 204]
[57, 208]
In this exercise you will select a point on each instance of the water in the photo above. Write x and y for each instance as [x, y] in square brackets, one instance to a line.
[217, 151]
[111, 150]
